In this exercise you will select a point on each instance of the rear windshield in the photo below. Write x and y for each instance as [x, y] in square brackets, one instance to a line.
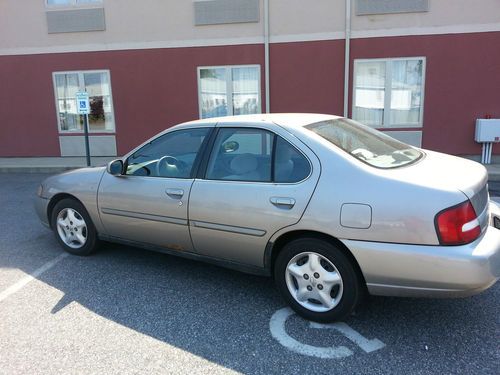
[366, 144]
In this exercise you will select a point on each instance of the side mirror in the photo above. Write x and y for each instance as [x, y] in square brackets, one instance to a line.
[115, 167]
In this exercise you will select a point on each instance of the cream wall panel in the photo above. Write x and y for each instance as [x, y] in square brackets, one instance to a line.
[23, 25]
[134, 24]
[292, 17]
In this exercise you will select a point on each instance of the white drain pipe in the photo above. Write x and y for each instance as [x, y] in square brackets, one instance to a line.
[347, 55]
[266, 55]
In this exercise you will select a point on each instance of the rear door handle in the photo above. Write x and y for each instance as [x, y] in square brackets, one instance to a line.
[282, 202]
[175, 193]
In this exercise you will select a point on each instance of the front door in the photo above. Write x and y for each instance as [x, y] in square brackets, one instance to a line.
[256, 182]
[149, 204]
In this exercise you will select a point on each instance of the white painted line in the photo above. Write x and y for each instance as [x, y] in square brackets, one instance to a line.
[367, 345]
[277, 327]
[28, 278]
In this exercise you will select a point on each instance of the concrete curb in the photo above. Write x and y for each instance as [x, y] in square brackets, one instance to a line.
[50, 170]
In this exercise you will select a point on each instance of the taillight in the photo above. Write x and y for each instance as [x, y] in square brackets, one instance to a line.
[457, 225]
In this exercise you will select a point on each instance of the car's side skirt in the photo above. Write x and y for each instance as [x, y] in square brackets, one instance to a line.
[260, 271]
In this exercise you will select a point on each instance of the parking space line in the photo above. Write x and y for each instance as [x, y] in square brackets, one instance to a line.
[28, 278]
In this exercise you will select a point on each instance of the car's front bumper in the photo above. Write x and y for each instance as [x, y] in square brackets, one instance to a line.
[41, 210]
[430, 271]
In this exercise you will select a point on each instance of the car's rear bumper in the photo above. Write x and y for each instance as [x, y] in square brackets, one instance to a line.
[429, 271]
[41, 210]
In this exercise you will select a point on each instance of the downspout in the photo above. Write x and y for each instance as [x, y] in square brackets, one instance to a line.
[266, 55]
[347, 55]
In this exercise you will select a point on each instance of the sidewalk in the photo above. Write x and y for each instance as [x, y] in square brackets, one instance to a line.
[59, 164]
[48, 164]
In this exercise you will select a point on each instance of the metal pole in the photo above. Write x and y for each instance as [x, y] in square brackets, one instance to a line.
[347, 55]
[87, 146]
[266, 54]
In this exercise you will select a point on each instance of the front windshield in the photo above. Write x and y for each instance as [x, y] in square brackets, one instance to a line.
[366, 144]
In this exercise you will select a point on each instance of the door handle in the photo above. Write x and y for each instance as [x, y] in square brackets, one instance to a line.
[282, 202]
[175, 193]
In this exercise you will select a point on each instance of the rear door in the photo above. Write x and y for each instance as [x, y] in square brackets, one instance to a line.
[257, 181]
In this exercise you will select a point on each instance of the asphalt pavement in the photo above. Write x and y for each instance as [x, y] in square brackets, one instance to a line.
[127, 310]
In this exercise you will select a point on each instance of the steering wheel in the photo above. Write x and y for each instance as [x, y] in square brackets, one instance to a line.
[170, 163]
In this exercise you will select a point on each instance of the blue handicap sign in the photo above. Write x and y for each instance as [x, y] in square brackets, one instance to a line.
[82, 99]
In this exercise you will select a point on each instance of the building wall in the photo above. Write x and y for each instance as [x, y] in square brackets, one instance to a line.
[152, 50]
[152, 90]
[462, 83]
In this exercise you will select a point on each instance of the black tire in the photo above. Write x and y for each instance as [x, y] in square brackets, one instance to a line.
[89, 233]
[349, 293]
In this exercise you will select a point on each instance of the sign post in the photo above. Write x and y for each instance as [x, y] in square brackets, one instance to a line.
[83, 108]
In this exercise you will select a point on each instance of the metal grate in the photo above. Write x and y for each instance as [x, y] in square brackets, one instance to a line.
[366, 7]
[212, 12]
[75, 20]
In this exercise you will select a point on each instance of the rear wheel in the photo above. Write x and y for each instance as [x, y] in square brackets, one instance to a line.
[73, 227]
[317, 280]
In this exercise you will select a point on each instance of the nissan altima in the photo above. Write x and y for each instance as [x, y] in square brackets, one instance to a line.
[328, 207]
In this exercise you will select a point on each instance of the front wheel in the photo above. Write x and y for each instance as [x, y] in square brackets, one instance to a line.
[73, 227]
[317, 280]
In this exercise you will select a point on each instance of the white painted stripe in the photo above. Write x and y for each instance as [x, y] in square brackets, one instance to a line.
[278, 331]
[367, 345]
[29, 278]
[312, 37]
[131, 46]
[336, 35]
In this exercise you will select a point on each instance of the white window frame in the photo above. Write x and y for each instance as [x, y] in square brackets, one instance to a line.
[82, 88]
[75, 4]
[229, 85]
[388, 89]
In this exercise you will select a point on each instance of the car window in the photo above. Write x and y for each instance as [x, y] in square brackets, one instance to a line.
[366, 144]
[241, 154]
[290, 165]
[170, 155]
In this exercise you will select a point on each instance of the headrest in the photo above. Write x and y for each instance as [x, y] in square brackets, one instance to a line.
[244, 163]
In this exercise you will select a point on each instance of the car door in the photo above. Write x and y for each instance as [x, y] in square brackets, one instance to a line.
[257, 181]
[149, 202]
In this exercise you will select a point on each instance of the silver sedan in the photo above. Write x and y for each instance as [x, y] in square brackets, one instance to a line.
[329, 207]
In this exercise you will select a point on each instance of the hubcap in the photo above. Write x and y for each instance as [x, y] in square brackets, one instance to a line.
[314, 282]
[71, 228]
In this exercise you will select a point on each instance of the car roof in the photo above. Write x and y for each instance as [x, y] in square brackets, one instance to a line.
[282, 119]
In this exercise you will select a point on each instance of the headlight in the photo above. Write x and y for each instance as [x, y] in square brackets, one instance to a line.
[39, 191]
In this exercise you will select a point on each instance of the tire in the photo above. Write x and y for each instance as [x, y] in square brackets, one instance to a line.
[73, 227]
[317, 280]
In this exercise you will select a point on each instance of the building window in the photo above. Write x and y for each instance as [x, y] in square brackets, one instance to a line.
[98, 85]
[51, 3]
[389, 92]
[229, 90]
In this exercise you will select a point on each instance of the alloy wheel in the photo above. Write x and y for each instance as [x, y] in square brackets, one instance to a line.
[71, 228]
[314, 281]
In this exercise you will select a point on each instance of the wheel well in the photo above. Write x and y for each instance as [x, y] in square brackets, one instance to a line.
[54, 200]
[290, 236]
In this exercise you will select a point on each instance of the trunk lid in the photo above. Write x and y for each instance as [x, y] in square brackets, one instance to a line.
[449, 173]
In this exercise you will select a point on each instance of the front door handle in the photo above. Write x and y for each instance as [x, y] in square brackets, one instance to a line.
[175, 193]
[282, 202]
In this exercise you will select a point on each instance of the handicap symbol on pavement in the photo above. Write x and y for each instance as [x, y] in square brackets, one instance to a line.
[278, 331]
